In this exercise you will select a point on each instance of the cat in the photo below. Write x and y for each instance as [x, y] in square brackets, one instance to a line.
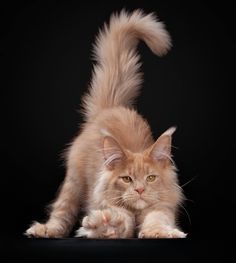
[125, 181]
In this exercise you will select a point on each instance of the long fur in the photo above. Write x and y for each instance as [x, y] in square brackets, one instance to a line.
[116, 78]
[110, 162]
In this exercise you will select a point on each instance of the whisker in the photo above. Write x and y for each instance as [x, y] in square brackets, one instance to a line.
[189, 219]
[115, 198]
[174, 147]
[183, 185]
[110, 192]
[187, 199]
[178, 186]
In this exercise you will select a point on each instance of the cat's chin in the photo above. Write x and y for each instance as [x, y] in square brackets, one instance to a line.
[140, 204]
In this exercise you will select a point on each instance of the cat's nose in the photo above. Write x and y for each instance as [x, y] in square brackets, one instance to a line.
[139, 190]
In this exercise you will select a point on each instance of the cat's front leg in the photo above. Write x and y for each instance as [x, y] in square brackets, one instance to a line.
[108, 223]
[159, 224]
[63, 211]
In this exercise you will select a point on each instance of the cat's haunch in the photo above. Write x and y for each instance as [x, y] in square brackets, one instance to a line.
[124, 180]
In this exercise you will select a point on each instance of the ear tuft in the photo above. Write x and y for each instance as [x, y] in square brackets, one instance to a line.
[161, 149]
[170, 131]
[112, 152]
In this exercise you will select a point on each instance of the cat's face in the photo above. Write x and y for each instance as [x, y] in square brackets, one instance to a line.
[139, 183]
[139, 180]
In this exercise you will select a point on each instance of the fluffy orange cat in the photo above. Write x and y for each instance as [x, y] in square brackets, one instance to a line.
[126, 182]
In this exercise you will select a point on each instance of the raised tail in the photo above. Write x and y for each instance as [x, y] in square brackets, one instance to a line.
[116, 78]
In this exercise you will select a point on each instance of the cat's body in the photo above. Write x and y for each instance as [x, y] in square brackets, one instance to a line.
[115, 171]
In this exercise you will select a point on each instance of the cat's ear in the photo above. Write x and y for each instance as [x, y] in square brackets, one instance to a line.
[112, 152]
[161, 149]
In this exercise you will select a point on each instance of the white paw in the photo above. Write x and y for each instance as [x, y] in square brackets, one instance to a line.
[45, 231]
[161, 232]
[103, 224]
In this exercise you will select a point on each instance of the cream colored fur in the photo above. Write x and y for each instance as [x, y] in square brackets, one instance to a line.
[115, 171]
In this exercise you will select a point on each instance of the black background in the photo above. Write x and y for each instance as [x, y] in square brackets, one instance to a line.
[46, 58]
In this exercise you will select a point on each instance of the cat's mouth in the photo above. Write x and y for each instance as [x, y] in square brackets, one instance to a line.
[140, 203]
[136, 201]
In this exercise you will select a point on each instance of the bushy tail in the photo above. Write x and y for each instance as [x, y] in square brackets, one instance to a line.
[116, 78]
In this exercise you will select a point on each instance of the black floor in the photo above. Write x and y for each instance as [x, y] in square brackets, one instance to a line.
[129, 250]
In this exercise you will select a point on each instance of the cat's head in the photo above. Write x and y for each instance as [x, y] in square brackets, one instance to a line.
[138, 180]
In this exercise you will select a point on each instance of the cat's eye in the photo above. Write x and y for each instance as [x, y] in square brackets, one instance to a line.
[151, 178]
[127, 179]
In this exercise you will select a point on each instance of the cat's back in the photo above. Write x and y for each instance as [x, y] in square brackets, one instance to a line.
[129, 128]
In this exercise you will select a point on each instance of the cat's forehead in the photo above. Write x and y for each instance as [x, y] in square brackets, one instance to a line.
[138, 166]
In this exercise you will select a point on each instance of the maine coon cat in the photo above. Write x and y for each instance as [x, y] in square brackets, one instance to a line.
[126, 182]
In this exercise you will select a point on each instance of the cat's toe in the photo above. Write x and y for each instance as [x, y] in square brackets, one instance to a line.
[83, 232]
[176, 233]
[105, 223]
[39, 230]
[161, 232]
